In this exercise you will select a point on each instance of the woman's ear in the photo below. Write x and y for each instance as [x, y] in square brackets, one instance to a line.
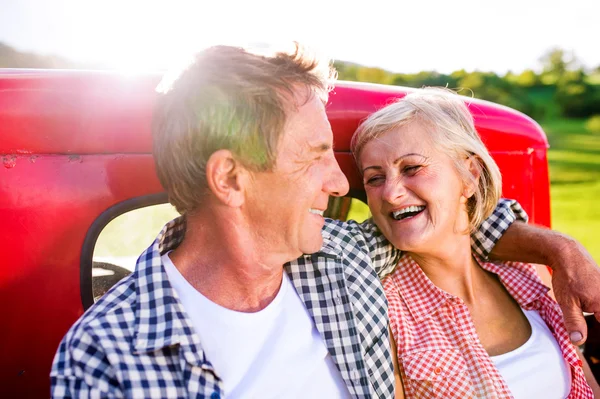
[473, 165]
[225, 178]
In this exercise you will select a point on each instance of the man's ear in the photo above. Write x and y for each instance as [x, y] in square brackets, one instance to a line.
[473, 165]
[225, 178]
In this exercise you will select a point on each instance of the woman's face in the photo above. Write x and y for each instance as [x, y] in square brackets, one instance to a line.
[413, 190]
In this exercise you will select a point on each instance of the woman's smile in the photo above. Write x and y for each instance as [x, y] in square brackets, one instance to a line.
[407, 212]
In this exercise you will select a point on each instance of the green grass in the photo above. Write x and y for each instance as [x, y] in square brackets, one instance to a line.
[574, 159]
[594, 78]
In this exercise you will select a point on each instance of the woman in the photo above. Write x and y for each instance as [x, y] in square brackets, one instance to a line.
[463, 327]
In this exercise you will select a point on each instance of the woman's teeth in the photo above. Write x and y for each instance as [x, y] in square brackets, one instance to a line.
[407, 212]
[316, 211]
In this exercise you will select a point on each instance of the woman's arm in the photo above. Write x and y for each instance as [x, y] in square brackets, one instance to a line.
[397, 377]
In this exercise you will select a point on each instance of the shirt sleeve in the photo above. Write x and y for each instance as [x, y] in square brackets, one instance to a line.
[490, 231]
[81, 370]
[385, 256]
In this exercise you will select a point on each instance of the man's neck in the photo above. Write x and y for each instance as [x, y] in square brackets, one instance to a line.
[225, 264]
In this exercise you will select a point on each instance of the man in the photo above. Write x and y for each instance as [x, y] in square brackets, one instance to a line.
[244, 150]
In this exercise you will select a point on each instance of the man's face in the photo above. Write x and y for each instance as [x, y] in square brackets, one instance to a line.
[287, 203]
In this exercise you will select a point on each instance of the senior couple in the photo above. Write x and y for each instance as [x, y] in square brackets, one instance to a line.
[252, 293]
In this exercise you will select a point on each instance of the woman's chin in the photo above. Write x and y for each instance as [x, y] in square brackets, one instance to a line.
[407, 244]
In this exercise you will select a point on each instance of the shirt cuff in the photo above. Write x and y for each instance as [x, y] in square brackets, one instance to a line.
[490, 231]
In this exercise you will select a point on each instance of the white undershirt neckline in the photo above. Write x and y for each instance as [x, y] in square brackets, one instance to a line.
[536, 369]
[276, 352]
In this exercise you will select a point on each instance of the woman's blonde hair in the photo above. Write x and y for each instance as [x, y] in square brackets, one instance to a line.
[447, 119]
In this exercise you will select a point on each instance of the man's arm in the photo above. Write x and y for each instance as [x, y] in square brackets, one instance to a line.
[575, 277]
[83, 370]
[384, 256]
[493, 228]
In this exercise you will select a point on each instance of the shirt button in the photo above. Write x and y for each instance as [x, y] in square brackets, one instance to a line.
[215, 395]
[580, 363]
[338, 299]
[355, 374]
[437, 370]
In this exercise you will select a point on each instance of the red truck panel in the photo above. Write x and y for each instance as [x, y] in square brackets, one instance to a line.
[73, 144]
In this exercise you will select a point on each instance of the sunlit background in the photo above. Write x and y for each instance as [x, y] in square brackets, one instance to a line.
[541, 57]
[401, 36]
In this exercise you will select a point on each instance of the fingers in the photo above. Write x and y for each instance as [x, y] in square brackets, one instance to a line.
[575, 324]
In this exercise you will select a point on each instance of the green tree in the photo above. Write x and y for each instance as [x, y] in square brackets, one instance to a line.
[527, 78]
[346, 70]
[12, 58]
[575, 96]
[373, 75]
[491, 87]
[432, 78]
[511, 77]
[400, 79]
[458, 75]
[556, 62]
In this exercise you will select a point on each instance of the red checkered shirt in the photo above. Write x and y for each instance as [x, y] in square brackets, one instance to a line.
[439, 352]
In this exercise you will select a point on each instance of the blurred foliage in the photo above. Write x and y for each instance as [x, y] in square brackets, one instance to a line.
[561, 89]
[556, 63]
[12, 58]
[593, 124]
[576, 97]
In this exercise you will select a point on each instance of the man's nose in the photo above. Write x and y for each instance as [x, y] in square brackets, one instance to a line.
[337, 183]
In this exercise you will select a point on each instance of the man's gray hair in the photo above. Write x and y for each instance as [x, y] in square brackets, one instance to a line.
[228, 98]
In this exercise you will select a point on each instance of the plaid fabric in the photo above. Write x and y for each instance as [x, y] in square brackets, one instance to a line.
[439, 352]
[138, 342]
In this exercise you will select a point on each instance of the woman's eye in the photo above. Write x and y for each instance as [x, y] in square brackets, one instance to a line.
[374, 180]
[411, 169]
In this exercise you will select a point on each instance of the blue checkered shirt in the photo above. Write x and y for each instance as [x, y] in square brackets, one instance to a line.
[138, 342]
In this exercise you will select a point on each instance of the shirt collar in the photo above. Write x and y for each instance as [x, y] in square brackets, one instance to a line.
[158, 303]
[520, 280]
[423, 298]
[160, 319]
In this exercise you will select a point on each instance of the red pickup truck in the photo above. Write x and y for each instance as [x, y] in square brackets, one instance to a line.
[76, 153]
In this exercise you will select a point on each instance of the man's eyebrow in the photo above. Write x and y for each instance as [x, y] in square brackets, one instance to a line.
[396, 161]
[323, 147]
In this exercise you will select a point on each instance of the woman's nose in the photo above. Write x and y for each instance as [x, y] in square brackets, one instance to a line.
[393, 190]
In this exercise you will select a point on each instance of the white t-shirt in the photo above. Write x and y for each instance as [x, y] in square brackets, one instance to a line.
[273, 353]
[536, 369]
